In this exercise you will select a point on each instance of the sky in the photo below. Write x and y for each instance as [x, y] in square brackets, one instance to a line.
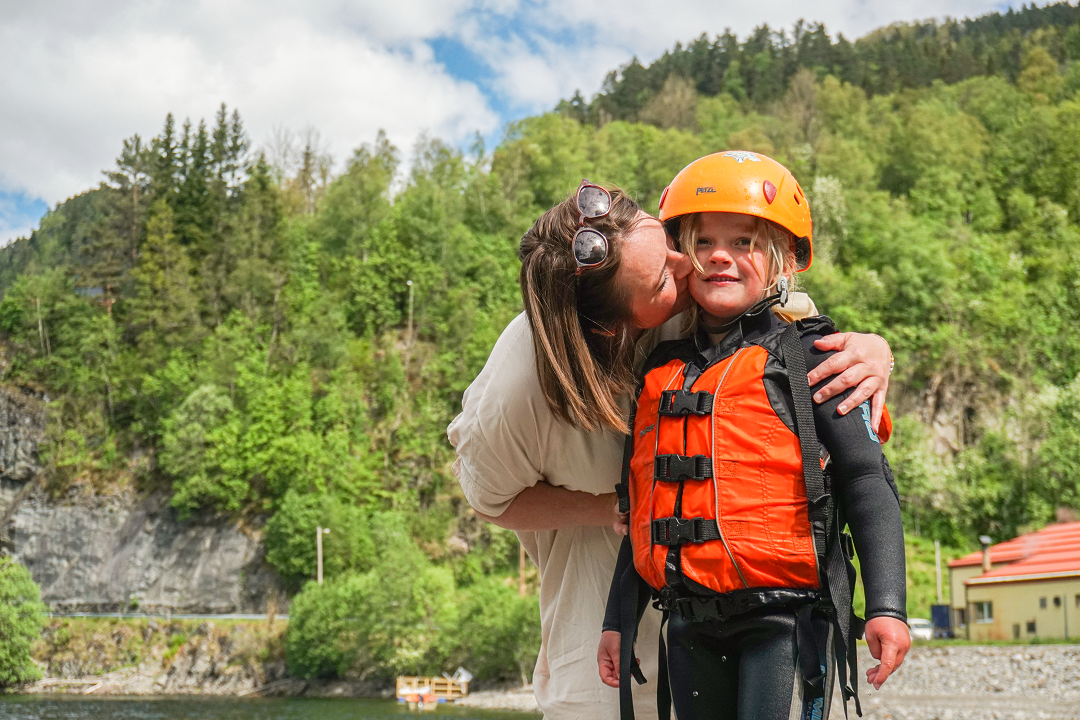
[79, 76]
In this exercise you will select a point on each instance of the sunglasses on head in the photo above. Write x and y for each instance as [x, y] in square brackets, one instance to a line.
[590, 246]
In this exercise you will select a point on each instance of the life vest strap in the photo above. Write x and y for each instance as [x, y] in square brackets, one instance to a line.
[674, 468]
[678, 531]
[684, 402]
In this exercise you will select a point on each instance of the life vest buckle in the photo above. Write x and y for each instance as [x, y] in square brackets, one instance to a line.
[676, 530]
[674, 468]
[684, 402]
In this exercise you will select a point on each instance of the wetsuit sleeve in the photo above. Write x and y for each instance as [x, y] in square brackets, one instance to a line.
[611, 614]
[864, 486]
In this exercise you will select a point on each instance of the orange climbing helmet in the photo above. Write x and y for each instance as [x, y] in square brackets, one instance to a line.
[749, 183]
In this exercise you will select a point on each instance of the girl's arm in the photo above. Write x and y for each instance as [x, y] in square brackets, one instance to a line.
[864, 486]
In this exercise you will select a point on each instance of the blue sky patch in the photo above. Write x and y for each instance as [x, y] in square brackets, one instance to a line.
[19, 213]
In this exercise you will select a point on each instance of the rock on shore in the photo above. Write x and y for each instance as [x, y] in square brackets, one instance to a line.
[1006, 682]
[977, 683]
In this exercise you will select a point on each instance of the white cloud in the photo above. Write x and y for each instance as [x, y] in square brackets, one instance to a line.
[77, 79]
[80, 76]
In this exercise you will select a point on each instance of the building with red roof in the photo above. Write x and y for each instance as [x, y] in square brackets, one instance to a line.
[1023, 588]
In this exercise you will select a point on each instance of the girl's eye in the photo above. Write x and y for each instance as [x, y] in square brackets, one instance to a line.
[743, 242]
[704, 241]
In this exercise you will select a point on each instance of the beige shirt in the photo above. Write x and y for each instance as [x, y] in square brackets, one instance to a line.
[507, 439]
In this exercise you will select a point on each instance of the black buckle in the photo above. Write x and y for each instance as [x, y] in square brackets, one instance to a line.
[676, 531]
[684, 402]
[674, 468]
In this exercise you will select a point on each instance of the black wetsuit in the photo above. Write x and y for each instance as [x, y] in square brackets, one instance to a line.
[746, 667]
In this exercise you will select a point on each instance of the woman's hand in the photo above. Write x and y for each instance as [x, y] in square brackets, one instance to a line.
[889, 641]
[861, 360]
[621, 526]
[608, 657]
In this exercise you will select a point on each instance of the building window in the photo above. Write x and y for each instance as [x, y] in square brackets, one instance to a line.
[961, 613]
[1031, 628]
[1016, 631]
[1078, 601]
[984, 612]
[1057, 601]
[1042, 603]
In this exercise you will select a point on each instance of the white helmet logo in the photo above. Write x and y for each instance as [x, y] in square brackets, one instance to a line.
[740, 155]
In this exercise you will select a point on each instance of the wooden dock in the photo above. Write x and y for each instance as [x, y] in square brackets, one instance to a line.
[442, 689]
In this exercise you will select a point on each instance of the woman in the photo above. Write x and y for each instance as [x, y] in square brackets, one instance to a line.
[539, 438]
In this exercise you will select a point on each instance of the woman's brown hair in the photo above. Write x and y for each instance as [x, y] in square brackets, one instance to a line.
[582, 331]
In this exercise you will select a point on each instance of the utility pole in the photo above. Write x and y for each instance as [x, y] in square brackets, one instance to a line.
[521, 570]
[937, 565]
[409, 283]
[319, 532]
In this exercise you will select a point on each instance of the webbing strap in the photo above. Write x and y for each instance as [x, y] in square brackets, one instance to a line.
[809, 656]
[663, 683]
[684, 402]
[835, 580]
[677, 530]
[630, 588]
[622, 488]
[675, 468]
[819, 500]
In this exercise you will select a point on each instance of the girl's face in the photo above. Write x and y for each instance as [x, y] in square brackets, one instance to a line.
[734, 275]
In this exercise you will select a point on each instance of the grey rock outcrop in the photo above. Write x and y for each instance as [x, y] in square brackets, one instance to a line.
[104, 553]
[110, 553]
[22, 427]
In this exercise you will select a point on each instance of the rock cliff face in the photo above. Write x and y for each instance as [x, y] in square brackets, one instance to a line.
[98, 553]
[104, 554]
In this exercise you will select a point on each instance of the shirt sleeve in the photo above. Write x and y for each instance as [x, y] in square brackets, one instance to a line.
[867, 493]
[503, 418]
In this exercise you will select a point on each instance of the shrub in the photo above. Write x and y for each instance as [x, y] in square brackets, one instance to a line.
[290, 537]
[390, 620]
[498, 632]
[20, 623]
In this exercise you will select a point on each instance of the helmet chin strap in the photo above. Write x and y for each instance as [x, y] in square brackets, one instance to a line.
[780, 297]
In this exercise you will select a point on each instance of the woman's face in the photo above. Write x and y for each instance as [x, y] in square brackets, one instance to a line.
[734, 275]
[655, 274]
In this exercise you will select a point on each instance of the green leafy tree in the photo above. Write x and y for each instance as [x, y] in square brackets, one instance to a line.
[21, 620]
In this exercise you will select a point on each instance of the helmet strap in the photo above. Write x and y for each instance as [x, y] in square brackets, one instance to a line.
[754, 310]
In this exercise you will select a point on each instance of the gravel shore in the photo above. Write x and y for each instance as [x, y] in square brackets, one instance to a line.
[1008, 682]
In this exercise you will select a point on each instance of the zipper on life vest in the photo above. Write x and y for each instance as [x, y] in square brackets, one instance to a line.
[716, 465]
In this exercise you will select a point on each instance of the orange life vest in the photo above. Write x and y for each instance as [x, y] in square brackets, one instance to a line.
[725, 516]
[714, 470]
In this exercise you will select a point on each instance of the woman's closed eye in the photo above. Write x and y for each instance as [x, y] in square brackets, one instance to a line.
[663, 284]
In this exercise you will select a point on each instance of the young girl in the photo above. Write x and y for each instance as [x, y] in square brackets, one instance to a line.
[734, 527]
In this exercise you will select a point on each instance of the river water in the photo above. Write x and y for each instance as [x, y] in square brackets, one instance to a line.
[44, 707]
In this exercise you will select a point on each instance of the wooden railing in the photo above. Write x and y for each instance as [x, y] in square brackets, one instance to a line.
[440, 687]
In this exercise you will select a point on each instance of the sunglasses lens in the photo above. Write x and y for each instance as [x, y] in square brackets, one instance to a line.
[593, 202]
[590, 247]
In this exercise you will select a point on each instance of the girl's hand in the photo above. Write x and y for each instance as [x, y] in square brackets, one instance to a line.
[608, 657]
[889, 641]
[861, 360]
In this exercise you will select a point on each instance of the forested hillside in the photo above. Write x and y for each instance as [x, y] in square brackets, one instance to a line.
[244, 332]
